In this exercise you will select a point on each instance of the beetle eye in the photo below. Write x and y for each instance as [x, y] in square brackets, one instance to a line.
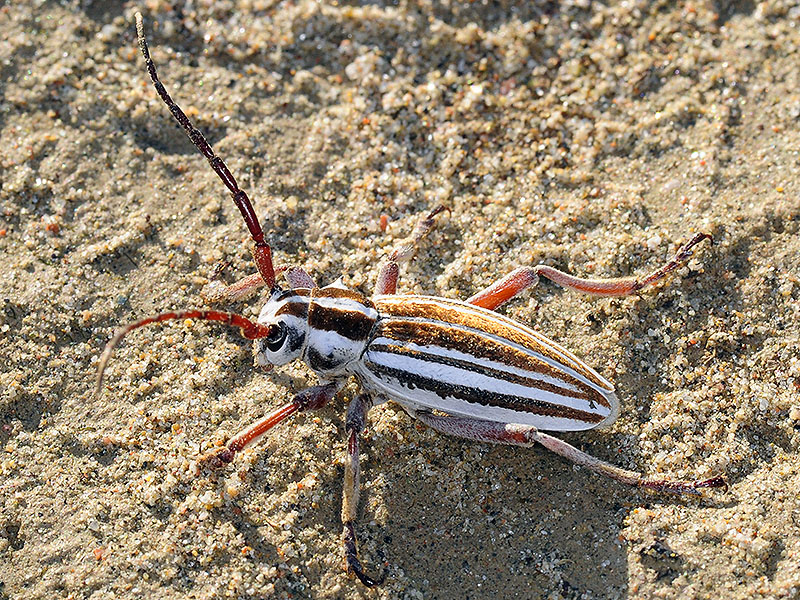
[276, 336]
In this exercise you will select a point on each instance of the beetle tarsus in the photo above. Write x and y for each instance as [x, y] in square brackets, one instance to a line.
[691, 488]
[351, 558]
[685, 251]
[717, 481]
[217, 458]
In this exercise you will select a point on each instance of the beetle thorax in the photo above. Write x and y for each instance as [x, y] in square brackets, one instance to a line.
[327, 327]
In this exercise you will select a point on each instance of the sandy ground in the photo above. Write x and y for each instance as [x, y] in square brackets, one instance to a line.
[594, 137]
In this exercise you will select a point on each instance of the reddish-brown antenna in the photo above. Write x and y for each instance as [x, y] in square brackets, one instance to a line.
[261, 253]
[250, 329]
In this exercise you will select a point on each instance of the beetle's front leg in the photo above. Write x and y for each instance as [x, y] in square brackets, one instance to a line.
[390, 271]
[309, 399]
[527, 435]
[522, 278]
[217, 292]
[354, 425]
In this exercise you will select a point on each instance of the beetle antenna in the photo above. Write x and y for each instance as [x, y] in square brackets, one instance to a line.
[250, 329]
[262, 254]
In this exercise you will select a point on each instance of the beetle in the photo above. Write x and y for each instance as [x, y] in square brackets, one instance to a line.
[457, 366]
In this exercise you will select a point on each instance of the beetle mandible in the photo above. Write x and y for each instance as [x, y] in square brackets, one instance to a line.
[458, 367]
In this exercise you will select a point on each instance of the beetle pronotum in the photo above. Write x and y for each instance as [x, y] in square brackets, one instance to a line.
[459, 367]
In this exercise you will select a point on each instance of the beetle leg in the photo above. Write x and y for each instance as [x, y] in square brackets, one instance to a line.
[622, 286]
[390, 271]
[297, 279]
[309, 399]
[521, 279]
[527, 435]
[354, 425]
[217, 292]
[506, 288]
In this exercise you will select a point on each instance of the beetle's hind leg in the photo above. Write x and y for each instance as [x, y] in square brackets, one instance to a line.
[622, 286]
[390, 271]
[505, 289]
[522, 278]
[354, 425]
[527, 435]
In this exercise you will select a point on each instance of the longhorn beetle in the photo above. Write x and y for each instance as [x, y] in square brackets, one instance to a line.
[458, 367]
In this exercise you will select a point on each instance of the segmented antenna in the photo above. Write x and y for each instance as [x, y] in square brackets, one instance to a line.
[250, 329]
[262, 254]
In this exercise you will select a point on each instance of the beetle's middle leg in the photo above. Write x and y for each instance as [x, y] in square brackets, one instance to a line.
[527, 435]
[354, 425]
[390, 271]
[522, 278]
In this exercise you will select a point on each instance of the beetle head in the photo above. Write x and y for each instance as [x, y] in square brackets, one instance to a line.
[286, 315]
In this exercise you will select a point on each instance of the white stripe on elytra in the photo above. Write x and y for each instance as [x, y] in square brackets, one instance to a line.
[447, 374]
[485, 363]
[415, 399]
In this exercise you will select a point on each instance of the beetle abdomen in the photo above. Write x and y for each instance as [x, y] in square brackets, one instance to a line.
[465, 360]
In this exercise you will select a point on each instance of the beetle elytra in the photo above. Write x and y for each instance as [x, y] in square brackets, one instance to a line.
[457, 366]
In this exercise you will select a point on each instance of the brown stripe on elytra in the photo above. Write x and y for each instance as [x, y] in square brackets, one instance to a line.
[588, 394]
[482, 397]
[353, 324]
[475, 343]
[460, 313]
[335, 292]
